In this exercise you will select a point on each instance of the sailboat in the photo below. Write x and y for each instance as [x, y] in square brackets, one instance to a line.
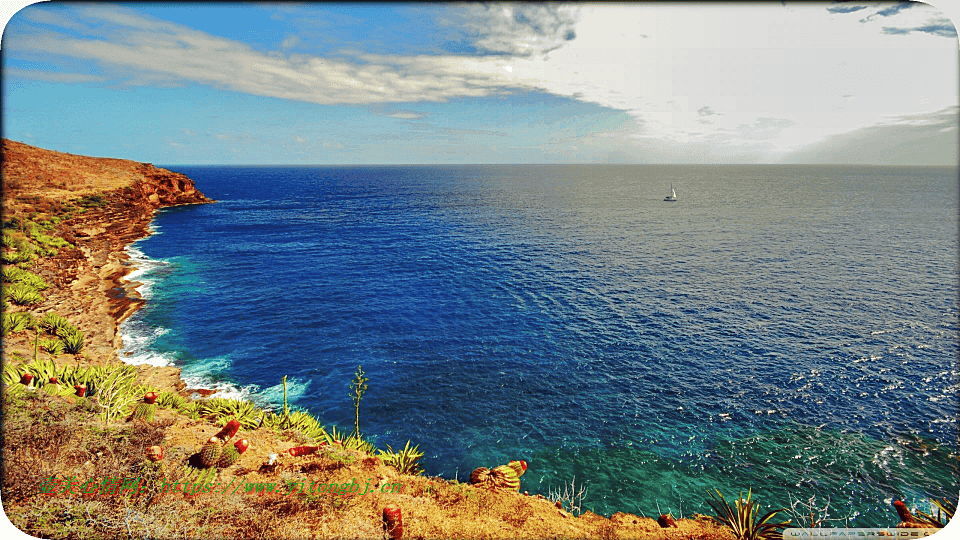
[672, 196]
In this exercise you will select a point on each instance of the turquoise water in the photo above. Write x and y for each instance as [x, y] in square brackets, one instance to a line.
[790, 329]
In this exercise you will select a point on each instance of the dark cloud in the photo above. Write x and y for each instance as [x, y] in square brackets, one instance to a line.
[890, 11]
[519, 29]
[896, 8]
[845, 9]
[944, 29]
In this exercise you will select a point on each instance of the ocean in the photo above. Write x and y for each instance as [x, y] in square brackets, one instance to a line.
[787, 329]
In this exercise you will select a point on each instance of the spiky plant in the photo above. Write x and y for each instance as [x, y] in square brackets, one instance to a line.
[355, 442]
[210, 453]
[945, 511]
[406, 461]
[505, 476]
[144, 411]
[17, 322]
[44, 369]
[192, 410]
[23, 294]
[743, 519]
[72, 341]
[53, 323]
[53, 346]
[519, 466]
[231, 453]
[244, 412]
[12, 274]
[170, 400]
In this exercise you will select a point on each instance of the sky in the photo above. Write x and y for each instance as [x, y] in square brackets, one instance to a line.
[409, 83]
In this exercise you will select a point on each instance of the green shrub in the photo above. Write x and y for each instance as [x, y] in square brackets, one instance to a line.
[72, 340]
[17, 322]
[53, 346]
[406, 461]
[50, 245]
[11, 240]
[54, 323]
[12, 274]
[90, 201]
[743, 519]
[22, 294]
[170, 400]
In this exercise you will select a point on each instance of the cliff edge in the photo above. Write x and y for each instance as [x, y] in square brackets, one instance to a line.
[67, 219]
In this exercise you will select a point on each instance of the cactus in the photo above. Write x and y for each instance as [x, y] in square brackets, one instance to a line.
[155, 453]
[393, 521]
[229, 430]
[519, 466]
[480, 476]
[231, 454]
[144, 411]
[505, 477]
[53, 386]
[210, 452]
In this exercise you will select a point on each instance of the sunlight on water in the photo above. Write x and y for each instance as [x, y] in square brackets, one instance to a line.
[787, 329]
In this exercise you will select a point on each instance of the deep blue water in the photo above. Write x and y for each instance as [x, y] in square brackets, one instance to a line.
[790, 329]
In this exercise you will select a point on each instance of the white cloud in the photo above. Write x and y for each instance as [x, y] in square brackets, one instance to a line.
[773, 78]
[53, 76]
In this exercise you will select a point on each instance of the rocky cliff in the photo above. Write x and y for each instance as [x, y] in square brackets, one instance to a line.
[73, 216]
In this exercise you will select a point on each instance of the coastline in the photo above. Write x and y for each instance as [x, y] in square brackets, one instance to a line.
[93, 283]
[88, 278]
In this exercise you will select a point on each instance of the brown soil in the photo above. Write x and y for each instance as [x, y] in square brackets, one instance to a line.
[88, 287]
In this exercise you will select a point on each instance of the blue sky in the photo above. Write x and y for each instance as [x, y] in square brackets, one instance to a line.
[328, 83]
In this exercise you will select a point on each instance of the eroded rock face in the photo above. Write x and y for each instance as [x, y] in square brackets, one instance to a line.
[166, 188]
[87, 280]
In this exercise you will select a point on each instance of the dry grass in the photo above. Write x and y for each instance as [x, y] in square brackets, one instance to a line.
[47, 436]
[47, 174]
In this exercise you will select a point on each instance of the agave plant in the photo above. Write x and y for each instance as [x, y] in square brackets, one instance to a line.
[12, 374]
[945, 511]
[12, 274]
[192, 410]
[406, 461]
[43, 369]
[23, 294]
[244, 412]
[170, 400]
[743, 519]
[308, 425]
[356, 442]
[17, 322]
[53, 346]
[72, 340]
[54, 323]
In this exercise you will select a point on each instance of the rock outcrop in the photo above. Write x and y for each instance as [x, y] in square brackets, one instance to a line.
[100, 206]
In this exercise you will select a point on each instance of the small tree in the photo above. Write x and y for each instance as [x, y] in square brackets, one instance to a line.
[358, 387]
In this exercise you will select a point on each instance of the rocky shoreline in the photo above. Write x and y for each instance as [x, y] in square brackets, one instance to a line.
[87, 281]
